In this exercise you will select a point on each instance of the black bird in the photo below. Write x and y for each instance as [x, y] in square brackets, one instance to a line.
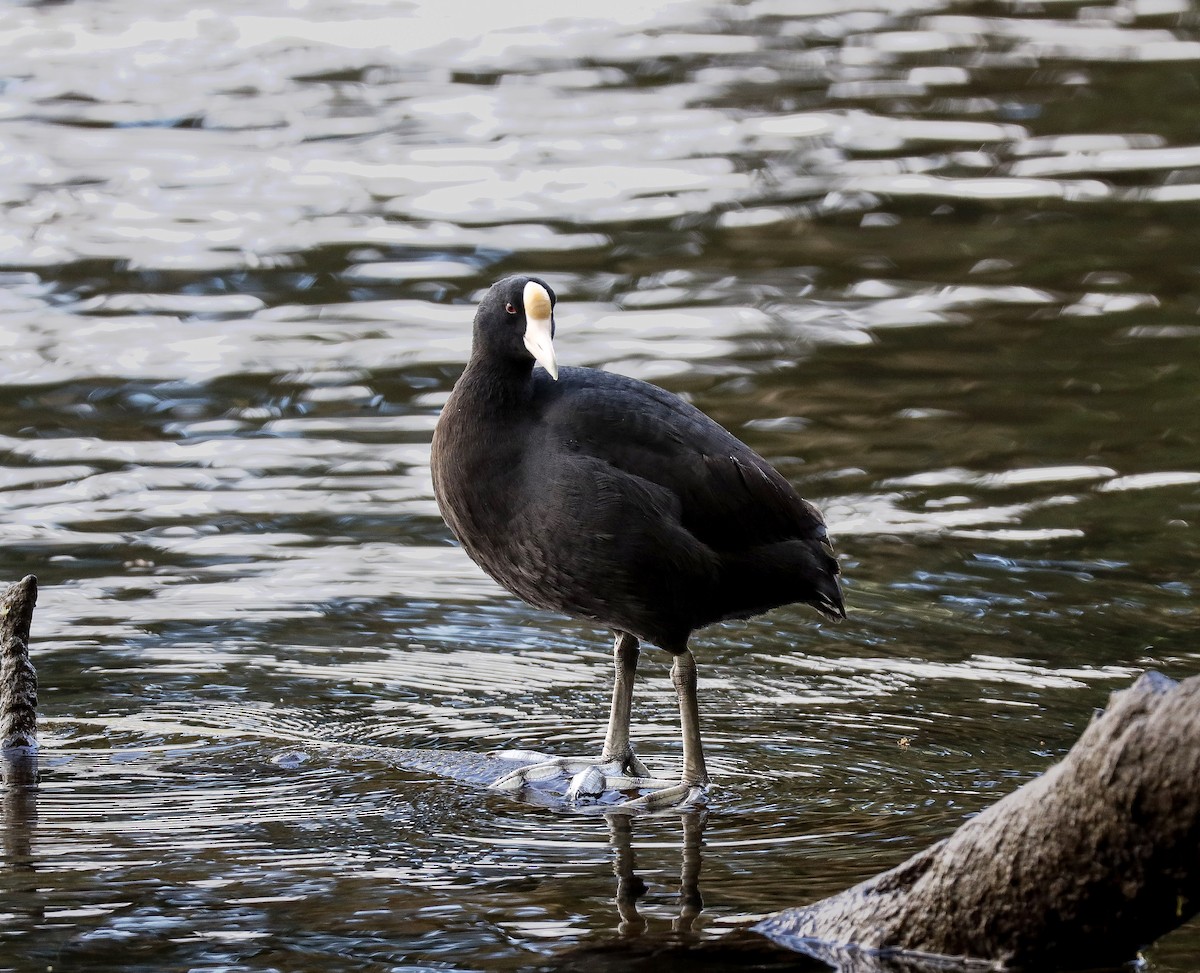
[605, 498]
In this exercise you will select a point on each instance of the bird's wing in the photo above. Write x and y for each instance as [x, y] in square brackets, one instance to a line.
[730, 497]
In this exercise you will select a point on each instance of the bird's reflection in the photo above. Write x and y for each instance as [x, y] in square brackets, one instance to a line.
[630, 886]
[639, 949]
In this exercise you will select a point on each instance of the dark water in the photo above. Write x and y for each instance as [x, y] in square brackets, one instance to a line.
[938, 262]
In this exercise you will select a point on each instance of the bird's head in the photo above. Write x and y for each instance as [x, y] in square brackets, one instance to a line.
[515, 321]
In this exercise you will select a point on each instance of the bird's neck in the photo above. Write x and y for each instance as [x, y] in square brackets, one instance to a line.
[498, 385]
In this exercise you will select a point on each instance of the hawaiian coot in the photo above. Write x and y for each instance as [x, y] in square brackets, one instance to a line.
[608, 499]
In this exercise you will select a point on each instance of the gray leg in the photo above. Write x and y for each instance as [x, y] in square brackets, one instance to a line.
[683, 675]
[694, 779]
[619, 768]
[616, 741]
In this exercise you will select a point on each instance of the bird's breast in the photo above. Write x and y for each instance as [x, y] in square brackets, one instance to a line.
[477, 471]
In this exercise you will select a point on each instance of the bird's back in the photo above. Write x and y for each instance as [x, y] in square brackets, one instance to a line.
[609, 498]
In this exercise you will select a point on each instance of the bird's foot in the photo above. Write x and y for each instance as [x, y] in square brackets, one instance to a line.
[587, 779]
[678, 796]
[587, 776]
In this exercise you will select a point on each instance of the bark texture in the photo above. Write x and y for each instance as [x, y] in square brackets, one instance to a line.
[18, 680]
[1080, 867]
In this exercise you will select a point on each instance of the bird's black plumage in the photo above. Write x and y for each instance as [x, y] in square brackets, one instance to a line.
[610, 499]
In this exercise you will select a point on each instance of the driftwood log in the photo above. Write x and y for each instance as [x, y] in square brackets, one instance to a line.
[1079, 868]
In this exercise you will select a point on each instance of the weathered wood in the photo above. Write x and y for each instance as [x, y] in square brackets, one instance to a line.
[18, 680]
[1080, 867]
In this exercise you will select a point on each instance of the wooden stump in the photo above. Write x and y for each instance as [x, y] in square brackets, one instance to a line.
[1080, 867]
[18, 680]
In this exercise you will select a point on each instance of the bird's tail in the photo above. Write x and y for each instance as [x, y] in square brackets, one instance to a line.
[799, 570]
[828, 598]
[822, 579]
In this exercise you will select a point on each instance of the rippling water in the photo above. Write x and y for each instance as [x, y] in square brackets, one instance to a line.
[937, 261]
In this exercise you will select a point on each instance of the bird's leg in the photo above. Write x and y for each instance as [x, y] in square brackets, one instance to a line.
[616, 741]
[694, 778]
[618, 767]
[683, 676]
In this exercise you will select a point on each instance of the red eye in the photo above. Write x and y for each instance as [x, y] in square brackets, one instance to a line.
[510, 309]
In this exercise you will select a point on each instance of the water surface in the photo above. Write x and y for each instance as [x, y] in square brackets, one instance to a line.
[936, 261]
